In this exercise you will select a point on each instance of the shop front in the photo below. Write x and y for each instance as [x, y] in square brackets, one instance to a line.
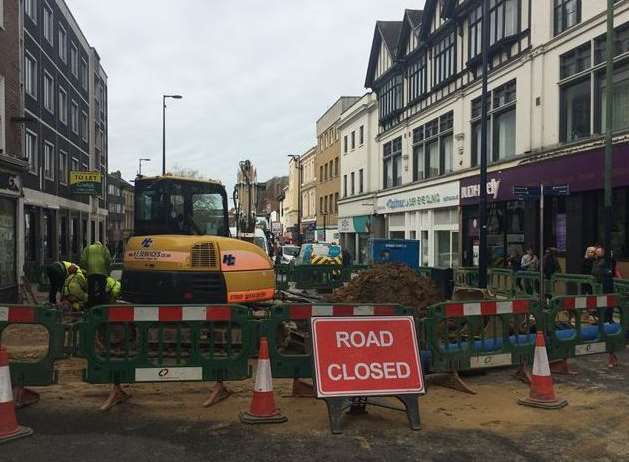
[430, 215]
[571, 223]
[10, 203]
[355, 233]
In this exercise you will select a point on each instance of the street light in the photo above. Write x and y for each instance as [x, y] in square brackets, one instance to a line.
[300, 167]
[164, 129]
[142, 159]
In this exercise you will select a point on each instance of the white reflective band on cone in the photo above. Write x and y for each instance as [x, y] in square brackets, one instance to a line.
[264, 381]
[6, 392]
[540, 363]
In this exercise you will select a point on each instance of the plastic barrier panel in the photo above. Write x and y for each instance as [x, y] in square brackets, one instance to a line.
[24, 370]
[288, 331]
[501, 282]
[585, 325]
[621, 287]
[318, 277]
[484, 334]
[128, 344]
[466, 277]
[526, 284]
[574, 284]
[283, 276]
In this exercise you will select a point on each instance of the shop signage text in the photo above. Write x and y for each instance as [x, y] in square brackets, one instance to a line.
[85, 183]
[428, 198]
[472, 191]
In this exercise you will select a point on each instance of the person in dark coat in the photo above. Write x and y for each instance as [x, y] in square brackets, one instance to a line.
[551, 264]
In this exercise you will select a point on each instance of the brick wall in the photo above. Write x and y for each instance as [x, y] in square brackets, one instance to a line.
[9, 68]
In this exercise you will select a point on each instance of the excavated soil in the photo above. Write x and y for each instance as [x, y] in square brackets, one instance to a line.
[390, 283]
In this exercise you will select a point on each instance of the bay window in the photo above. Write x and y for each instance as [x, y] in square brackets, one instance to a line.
[433, 148]
[417, 79]
[504, 22]
[444, 61]
[390, 98]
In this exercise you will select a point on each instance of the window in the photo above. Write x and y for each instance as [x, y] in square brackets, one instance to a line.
[63, 105]
[336, 202]
[325, 204]
[575, 99]
[74, 117]
[48, 23]
[63, 44]
[74, 166]
[321, 205]
[30, 75]
[74, 59]
[84, 74]
[345, 144]
[336, 167]
[567, 13]
[392, 160]
[84, 126]
[30, 8]
[390, 98]
[620, 116]
[49, 92]
[344, 185]
[433, 148]
[361, 187]
[325, 170]
[353, 184]
[501, 124]
[621, 40]
[475, 30]
[63, 167]
[503, 19]
[417, 76]
[49, 163]
[361, 135]
[504, 122]
[575, 61]
[444, 60]
[30, 148]
[321, 174]
[354, 140]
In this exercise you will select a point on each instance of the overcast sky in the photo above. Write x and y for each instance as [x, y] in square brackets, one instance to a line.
[255, 76]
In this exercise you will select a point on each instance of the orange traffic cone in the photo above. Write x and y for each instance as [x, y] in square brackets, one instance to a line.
[263, 408]
[9, 429]
[542, 393]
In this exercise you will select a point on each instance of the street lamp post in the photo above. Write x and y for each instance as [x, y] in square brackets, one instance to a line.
[297, 160]
[482, 215]
[164, 129]
[609, 131]
[142, 159]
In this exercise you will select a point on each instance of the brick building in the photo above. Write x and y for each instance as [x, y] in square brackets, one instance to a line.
[12, 164]
[119, 195]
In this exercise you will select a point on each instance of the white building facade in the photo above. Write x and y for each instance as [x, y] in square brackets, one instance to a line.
[360, 174]
[546, 117]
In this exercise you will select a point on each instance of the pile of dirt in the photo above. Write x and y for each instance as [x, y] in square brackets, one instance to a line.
[390, 283]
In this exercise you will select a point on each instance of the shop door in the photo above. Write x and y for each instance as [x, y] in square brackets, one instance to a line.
[8, 245]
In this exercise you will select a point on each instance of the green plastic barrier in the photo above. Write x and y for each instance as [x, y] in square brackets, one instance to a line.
[579, 325]
[129, 344]
[526, 284]
[288, 332]
[283, 276]
[621, 287]
[465, 277]
[476, 335]
[574, 284]
[318, 277]
[501, 281]
[41, 372]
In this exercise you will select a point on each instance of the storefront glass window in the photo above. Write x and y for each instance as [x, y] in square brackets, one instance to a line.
[7, 243]
[621, 100]
[504, 135]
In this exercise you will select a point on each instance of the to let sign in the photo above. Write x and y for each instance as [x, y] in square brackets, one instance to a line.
[87, 183]
[366, 356]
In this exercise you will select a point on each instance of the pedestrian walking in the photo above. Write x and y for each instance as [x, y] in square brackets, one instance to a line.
[529, 262]
[586, 267]
[96, 262]
[603, 271]
[514, 261]
[57, 273]
[551, 263]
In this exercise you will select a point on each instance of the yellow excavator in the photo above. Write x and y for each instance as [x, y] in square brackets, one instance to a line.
[181, 252]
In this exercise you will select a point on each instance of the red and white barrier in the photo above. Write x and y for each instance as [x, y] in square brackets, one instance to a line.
[17, 314]
[168, 313]
[488, 308]
[590, 302]
[297, 312]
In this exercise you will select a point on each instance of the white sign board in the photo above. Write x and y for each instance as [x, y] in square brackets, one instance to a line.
[445, 195]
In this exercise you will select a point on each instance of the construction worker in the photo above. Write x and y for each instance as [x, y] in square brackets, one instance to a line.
[57, 274]
[96, 262]
[113, 289]
[75, 289]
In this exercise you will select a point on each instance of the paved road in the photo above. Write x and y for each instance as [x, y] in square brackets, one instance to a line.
[75, 432]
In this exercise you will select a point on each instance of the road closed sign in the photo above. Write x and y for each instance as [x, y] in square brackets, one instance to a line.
[366, 356]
